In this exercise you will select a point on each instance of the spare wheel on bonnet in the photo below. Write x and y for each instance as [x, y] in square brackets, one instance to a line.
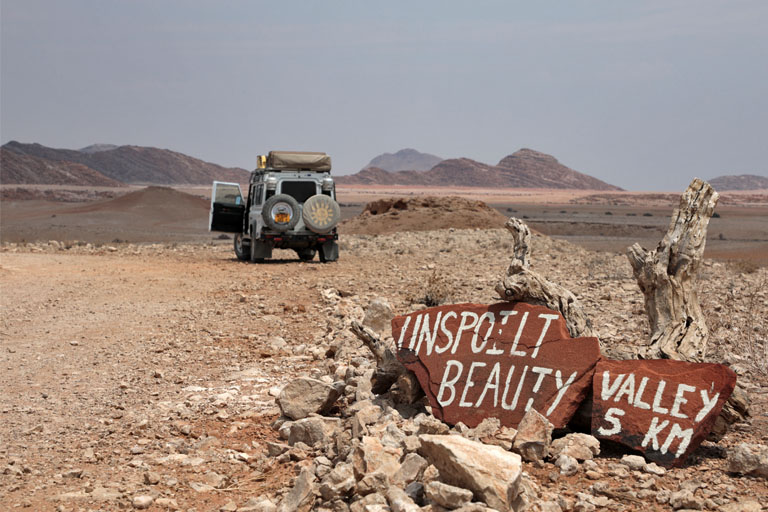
[280, 212]
[321, 213]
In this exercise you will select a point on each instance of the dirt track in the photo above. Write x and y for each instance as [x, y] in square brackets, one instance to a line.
[129, 364]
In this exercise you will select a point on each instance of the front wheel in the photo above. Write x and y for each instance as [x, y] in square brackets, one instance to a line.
[242, 248]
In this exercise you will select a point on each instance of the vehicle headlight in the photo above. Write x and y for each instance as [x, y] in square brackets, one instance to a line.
[327, 184]
[271, 182]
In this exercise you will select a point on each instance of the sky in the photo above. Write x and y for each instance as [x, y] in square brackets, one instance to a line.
[643, 95]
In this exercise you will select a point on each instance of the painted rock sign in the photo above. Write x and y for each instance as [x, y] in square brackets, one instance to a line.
[662, 408]
[477, 361]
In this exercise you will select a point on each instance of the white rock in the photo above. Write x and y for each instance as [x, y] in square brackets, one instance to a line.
[568, 465]
[491, 472]
[448, 496]
[634, 462]
[579, 446]
[378, 316]
[534, 435]
[749, 459]
[143, 501]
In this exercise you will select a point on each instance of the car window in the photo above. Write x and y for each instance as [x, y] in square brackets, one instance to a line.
[299, 190]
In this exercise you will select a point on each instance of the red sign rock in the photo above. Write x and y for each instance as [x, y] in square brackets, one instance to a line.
[661, 407]
[478, 361]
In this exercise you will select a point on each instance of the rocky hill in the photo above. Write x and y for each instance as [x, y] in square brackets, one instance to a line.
[405, 160]
[19, 169]
[525, 168]
[740, 182]
[135, 164]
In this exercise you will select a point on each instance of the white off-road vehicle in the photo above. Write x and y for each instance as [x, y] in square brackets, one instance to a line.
[291, 204]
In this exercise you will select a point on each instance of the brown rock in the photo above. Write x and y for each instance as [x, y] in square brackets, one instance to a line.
[479, 361]
[663, 408]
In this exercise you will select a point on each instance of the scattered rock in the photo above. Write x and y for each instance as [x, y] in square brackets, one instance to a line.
[260, 504]
[302, 496]
[749, 459]
[142, 502]
[378, 316]
[534, 435]
[448, 496]
[567, 464]
[579, 446]
[304, 396]
[490, 472]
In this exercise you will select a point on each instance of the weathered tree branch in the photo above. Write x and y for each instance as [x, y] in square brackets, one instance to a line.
[667, 278]
[524, 285]
[390, 373]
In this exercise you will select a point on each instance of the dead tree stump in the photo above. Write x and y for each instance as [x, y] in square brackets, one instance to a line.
[667, 278]
[521, 284]
[390, 374]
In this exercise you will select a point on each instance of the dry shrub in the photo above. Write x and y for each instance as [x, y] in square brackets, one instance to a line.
[436, 291]
[739, 327]
[743, 266]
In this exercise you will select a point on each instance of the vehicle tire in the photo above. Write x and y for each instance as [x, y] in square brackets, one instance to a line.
[242, 248]
[280, 205]
[321, 213]
[307, 254]
[329, 252]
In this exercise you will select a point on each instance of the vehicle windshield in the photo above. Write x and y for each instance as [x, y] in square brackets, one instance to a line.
[299, 190]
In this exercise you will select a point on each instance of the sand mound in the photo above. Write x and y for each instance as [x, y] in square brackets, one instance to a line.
[160, 203]
[392, 215]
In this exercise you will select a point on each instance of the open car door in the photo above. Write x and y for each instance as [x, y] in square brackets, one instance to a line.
[227, 208]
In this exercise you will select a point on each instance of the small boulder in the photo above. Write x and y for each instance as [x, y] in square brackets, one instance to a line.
[302, 496]
[534, 435]
[304, 396]
[447, 496]
[579, 446]
[490, 472]
[142, 502]
[749, 459]
[567, 464]
[378, 316]
[370, 455]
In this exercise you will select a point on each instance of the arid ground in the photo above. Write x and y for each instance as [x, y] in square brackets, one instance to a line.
[140, 357]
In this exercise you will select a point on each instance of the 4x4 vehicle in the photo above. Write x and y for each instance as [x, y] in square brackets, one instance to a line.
[291, 204]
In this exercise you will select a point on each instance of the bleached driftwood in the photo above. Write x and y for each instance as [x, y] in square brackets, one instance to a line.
[390, 374]
[667, 278]
[521, 284]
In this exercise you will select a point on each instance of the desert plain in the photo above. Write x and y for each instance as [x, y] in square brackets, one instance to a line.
[141, 360]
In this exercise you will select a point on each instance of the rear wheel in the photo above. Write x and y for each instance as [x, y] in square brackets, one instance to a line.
[242, 248]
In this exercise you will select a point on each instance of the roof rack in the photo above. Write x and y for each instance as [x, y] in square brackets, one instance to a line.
[301, 160]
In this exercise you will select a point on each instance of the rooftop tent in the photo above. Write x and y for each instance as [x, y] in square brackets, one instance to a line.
[299, 160]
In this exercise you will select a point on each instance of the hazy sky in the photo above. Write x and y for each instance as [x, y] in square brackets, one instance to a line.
[644, 95]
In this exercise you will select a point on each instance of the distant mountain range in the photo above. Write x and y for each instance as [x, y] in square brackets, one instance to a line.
[107, 165]
[405, 160]
[740, 182]
[16, 168]
[525, 168]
